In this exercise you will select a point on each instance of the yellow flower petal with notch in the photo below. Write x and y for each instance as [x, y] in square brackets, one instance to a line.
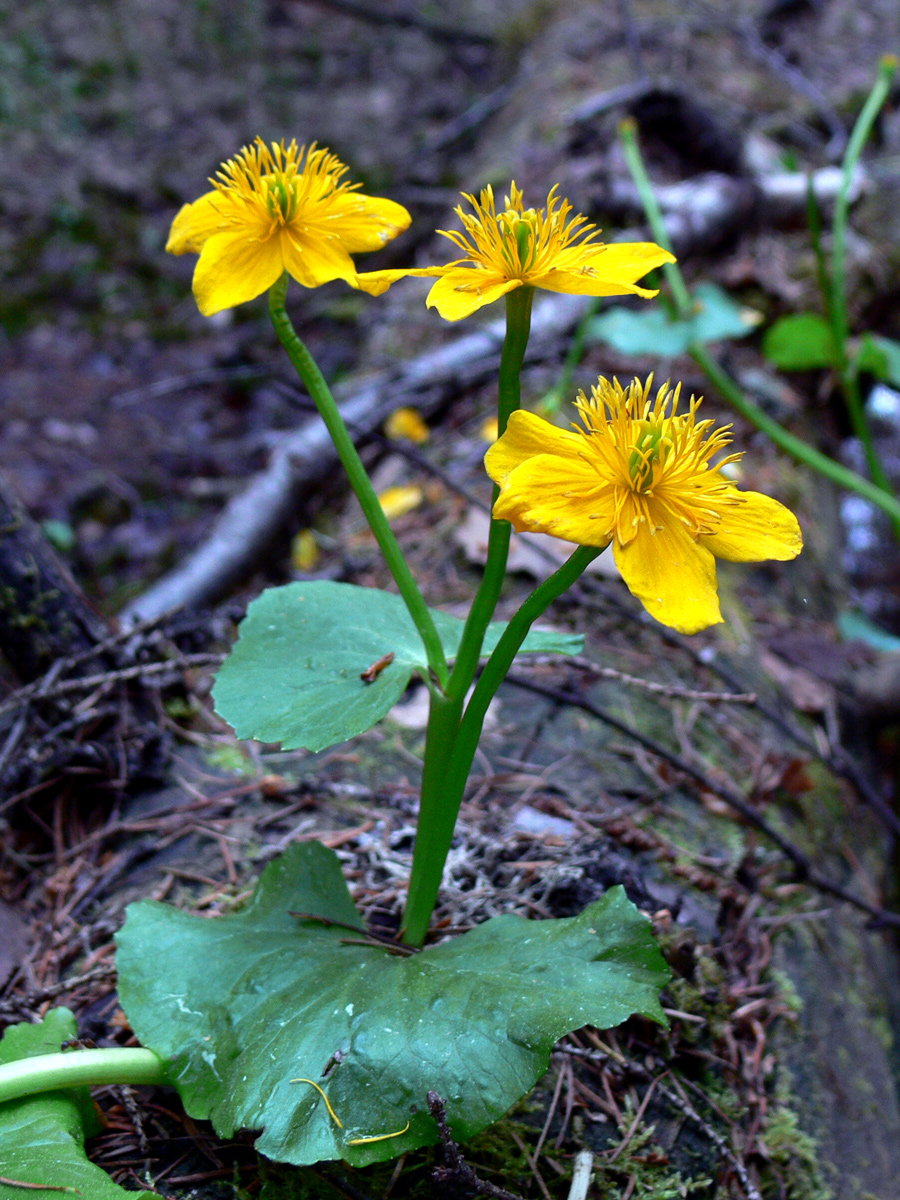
[639, 474]
[526, 247]
[274, 209]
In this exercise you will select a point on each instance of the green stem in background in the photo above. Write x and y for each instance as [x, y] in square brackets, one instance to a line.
[672, 272]
[454, 770]
[837, 307]
[437, 809]
[788, 442]
[312, 377]
[553, 400]
[887, 68]
[77, 1068]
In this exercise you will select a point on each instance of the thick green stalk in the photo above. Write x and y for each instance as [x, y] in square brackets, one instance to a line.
[77, 1068]
[452, 771]
[837, 302]
[518, 328]
[437, 809]
[788, 442]
[312, 377]
[437, 818]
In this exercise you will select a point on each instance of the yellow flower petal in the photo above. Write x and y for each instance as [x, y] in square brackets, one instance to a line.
[759, 528]
[195, 223]
[304, 550]
[232, 270]
[407, 423]
[463, 290]
[285, 206]
[526, 436]
[376, 282]
[490, 430]
[397, 501]
[611, 270]
[562, 497]
[312, 261]
[365, 223]
[672, 575]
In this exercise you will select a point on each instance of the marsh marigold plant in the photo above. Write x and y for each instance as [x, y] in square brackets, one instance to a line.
[517, 247]
[639, 474]
[279, 208]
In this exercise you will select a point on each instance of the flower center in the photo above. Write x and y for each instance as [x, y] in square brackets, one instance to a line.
[648, 449]
[280, 183]
[280, 196]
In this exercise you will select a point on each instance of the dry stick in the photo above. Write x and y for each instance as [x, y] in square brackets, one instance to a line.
[648, 685]
[407, 20]
[457, 1166]
[802, 866]
[85, 682]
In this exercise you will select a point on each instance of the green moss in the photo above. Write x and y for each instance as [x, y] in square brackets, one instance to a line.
[796, 1174]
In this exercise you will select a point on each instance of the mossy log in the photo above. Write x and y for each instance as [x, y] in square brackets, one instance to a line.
[44, 615]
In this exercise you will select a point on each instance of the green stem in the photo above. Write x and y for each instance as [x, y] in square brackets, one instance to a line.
[312, 377]
[672, 272]
[553, 400]
[437, 818]
[437, 809]
[837, 308]
[886, 70]
[451, 773]
[791, 444]
[76, 1068]
[518, 328]
[788, 442]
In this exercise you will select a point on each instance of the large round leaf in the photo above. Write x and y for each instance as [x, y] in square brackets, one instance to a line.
[244, 1006]
[295, 675]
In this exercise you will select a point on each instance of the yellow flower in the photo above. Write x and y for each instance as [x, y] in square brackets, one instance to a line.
[521, 247]
[639, 475]
[274, 210]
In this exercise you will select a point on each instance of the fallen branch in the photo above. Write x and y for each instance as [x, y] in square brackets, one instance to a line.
[306, 456]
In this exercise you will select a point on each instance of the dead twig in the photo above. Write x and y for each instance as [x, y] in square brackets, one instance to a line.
[406, 20]
[457, 1168]
[648, 685]
[803, 868]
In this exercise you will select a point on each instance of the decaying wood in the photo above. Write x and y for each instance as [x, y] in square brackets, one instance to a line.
[43, 613]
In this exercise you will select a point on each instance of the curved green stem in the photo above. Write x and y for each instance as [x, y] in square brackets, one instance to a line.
[77, 1068]
[837, 307]
[306, 368]
[436, 824]
[791, 444]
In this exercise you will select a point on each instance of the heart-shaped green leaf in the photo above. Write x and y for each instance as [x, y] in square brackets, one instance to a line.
[881, 357]
[295, 674]
[800, 342]
[653, 331]
[42, 1136]
[246, 1007]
